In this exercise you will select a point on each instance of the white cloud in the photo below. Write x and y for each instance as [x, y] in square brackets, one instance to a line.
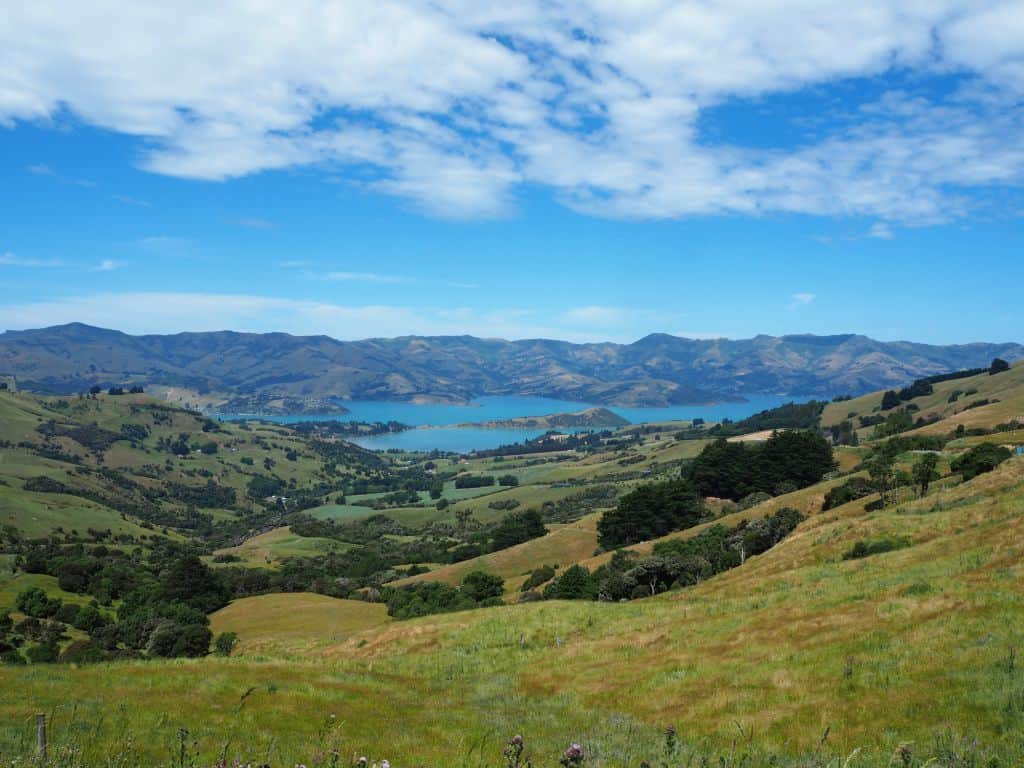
[454, 105]
[11, 260]
[365, 277]
[880, 231]
[108, 265]
[596, 315]
[801, 300]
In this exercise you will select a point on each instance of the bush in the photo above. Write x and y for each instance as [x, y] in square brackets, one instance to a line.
[474, 481]
[537, 577]
[43, 654]
[573, 584]
[853, 489]
[170, 640]
[44, 484]
[509, 481]
[480, 586]
[225, 643]
[868, 547]
[82, 652]
[34, 602]
[517, 528]
[979, 459]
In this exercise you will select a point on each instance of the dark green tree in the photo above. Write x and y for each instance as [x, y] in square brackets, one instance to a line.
[998, 366]
[925, 472]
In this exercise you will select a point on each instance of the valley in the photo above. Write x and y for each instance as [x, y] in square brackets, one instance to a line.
[307, 543]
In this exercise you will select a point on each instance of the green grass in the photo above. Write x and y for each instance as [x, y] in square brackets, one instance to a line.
[295, 623]
[268, 549]
[879, 651]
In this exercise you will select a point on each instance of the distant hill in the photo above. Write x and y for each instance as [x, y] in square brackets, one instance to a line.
[591, 417]
[657, 370]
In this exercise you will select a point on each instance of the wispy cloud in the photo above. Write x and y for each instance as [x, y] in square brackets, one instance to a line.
[801, 300]
[880, 231]
[10, 260]
[366, 277]
[41, 169]
[108, 265]
[129, 200]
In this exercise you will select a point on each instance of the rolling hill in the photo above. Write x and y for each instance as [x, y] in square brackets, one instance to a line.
[813, 653]
[657, 370]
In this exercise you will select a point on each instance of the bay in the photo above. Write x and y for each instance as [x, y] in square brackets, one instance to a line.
[440, 433]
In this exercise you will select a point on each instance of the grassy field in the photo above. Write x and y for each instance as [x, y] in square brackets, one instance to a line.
[295, 624]
[273, 546]
[876, 652]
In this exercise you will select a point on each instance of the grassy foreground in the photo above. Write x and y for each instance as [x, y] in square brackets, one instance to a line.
[796, 657]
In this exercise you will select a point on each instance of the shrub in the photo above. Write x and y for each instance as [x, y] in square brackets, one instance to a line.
[82, 652]
[34, 602]
[509, 481]
[480, 586]
[42, 654]
[44, 484]
[868, 547]
[537, 577]
[573, 584]
[474, 481]
[979, 459]
[517, 528]
[225, 643]
[170, 639]
[854, 488]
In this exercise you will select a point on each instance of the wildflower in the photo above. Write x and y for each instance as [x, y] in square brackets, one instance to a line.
[573, 756]
[514, 751]
[385, 764]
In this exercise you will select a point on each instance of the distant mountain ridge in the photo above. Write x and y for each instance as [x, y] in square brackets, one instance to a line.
[656, 370]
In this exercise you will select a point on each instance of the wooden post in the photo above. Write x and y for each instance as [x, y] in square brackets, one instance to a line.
[41, 736]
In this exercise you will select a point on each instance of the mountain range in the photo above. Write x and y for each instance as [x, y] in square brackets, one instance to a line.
[656, 370]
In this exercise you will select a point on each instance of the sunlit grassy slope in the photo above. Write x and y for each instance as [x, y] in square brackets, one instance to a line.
[1007, 388]
[794, 643]
[562, 546]
[295, 623]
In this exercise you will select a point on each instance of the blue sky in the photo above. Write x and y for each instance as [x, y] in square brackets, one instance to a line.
[593, 172]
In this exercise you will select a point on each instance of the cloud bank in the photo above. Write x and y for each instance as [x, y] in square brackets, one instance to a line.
[454, 105]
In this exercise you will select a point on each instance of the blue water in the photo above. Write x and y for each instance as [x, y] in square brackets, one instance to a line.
[445, 437]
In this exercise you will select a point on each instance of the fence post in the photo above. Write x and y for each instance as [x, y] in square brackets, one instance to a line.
[41, 735]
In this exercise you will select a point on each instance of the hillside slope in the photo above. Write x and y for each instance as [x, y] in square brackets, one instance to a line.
[798, 650]
[657, 370]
